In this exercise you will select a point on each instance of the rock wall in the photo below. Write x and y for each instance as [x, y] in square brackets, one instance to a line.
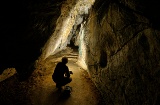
[25, 27]
[122, 43]
[72, 12]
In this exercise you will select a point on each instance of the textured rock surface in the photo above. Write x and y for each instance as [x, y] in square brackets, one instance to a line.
[72, 12]
[122, 45]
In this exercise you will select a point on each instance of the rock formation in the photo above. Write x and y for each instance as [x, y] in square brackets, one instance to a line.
[123, 51]
[118, 42]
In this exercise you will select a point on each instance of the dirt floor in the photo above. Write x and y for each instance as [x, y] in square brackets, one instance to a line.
[39, 89]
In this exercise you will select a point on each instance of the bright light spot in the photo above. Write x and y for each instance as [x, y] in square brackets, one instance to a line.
[82, 50]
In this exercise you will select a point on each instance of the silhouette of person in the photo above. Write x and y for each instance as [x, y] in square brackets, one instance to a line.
[61, 75]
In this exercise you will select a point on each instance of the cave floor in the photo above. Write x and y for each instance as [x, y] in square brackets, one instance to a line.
[39, 89]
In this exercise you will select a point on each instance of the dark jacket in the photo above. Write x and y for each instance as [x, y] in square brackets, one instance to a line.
[60, 70]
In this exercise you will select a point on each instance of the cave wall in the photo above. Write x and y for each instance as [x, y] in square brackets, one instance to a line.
[25, 27]
[122, 41]
[72, 12]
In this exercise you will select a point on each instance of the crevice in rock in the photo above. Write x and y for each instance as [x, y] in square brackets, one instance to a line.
[135, 35]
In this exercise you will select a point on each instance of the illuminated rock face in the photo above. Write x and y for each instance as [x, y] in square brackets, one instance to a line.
[123, 52]
[72, 12]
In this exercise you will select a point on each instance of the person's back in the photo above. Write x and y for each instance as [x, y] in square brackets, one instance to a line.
[61, 75]
[59, 71]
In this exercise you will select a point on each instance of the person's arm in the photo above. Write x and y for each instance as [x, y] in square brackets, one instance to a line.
[67, 72]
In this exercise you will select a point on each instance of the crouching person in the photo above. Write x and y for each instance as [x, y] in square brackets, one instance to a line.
[61, 75]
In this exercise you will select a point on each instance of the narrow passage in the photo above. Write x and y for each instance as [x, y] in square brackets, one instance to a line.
[41, 90]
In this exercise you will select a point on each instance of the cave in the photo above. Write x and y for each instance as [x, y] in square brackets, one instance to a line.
[117, 42]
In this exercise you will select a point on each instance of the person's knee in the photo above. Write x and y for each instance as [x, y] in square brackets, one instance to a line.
[68, 80]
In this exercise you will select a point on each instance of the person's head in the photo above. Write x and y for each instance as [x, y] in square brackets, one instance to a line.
[64, 60]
